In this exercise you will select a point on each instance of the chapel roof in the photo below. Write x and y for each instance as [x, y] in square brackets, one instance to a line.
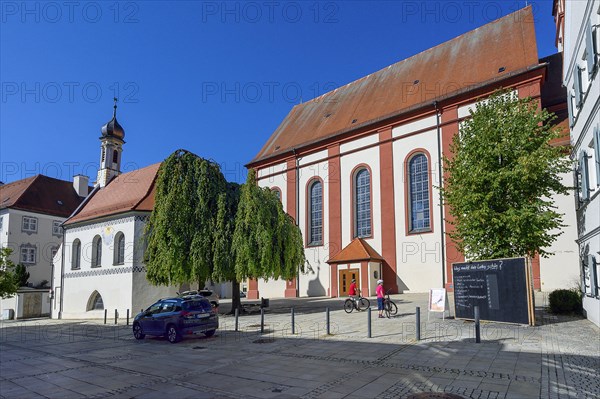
[491, 53]
[131, 191]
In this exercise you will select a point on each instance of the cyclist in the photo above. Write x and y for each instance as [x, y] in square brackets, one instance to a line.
[353, 290]
[380, 296]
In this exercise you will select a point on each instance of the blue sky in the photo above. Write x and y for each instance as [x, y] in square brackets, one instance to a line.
[215, 78]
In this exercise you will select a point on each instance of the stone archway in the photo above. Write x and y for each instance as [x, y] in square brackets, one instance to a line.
[95, 302]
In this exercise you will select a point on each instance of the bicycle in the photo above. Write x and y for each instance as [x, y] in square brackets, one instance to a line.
[389, 307]
[359, 304]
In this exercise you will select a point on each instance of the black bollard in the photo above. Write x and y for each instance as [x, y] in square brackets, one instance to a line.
[105, 314]
[116, 316]
[293, 322]
[368, 322]
[127, 316]
[262, 320]
[418, 322]
[327, 320]
[477, 326]
[237, 316]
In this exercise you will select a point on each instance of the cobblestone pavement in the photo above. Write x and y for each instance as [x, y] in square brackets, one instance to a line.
[559, 358]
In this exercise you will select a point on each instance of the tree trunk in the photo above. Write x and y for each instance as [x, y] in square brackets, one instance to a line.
[236, 302]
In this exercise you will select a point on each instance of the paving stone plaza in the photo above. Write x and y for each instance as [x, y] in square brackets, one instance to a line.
[559, 358]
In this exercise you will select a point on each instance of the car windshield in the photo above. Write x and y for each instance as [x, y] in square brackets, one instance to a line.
[205, 293]
[197, 305]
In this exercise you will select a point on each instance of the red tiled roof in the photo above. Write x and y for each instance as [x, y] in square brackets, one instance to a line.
[357, 250]
[40, 194]
[453, 67]
[132, 191]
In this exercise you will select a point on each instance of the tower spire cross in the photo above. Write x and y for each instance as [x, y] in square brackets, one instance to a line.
[115, 99]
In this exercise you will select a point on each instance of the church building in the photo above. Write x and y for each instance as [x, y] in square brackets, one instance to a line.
[359, 167]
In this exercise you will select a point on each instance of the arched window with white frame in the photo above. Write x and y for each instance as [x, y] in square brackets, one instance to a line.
[362, 203]
[418, 193]
[315, 212]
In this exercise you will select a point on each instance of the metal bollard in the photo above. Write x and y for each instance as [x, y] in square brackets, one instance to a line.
[418, 321]
[237, 316]
[262, 321]
[327, 320]
[105, 314]
[127, 316]
[116, 316]
[368, 322]
[293, 322]
[477, 326]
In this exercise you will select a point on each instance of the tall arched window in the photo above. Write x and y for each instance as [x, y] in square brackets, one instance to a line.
[119, 251]
[277, 192]
[76, 254]
[97, 251]
[315, 216]
[418, 186]
[362, 203]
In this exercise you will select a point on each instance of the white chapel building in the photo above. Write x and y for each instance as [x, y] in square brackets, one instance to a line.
[100, 262]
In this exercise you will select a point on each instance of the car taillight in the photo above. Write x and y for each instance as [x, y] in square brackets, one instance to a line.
[186, 314]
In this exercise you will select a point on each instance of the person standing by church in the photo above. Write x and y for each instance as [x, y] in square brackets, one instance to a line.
[380, 296]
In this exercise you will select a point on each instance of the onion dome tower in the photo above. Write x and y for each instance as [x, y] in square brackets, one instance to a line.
[112, 140]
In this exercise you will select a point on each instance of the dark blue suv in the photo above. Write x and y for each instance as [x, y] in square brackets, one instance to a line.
[176, 317]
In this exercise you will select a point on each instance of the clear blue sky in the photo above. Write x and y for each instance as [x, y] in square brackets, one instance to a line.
[214, 78]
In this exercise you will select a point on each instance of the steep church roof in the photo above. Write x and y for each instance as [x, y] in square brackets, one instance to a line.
[131, 191]
[40, 194]
[493, 52]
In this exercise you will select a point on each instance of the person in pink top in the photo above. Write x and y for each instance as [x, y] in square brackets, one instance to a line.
[380, 296]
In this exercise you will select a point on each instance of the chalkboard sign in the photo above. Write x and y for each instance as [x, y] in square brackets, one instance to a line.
[500, 287]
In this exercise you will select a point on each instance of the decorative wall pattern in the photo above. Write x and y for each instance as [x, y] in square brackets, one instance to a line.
[106, 271]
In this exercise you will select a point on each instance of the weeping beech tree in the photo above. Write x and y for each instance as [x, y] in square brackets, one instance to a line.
[182, 226]
[266, 241]
[203, 227]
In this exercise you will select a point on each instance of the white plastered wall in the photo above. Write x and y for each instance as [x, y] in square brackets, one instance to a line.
[348, 162]
[418, 256]
[315, 281]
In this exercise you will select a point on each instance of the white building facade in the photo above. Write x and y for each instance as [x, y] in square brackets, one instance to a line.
[581, 44]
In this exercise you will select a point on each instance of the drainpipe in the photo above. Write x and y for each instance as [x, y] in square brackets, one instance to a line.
[297, 200]
[440, 177]
[62, 272]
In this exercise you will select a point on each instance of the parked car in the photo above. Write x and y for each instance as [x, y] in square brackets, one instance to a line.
[242, 294]
[175, 318]
[208, 294]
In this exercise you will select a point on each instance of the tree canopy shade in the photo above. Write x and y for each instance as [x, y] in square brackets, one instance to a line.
[501, 178]
[266, 241]
[9, 283]
[181, 230]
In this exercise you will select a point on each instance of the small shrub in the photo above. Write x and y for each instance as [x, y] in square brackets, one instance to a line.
[565, 301]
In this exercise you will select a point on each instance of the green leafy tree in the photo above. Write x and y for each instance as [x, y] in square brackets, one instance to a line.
[224, 266]
[182, 225]
[501, 179]
[8, 282]
[266, 241]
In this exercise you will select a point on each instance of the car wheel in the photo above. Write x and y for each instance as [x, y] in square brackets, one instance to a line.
[172, 334]
[210, 333]
[138, 333]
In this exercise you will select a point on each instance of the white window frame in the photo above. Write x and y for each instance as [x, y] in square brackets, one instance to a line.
[29, 222]
[56, 229]
[28, 255]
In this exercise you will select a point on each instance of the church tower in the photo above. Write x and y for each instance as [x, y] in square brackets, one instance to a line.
[112, 140]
